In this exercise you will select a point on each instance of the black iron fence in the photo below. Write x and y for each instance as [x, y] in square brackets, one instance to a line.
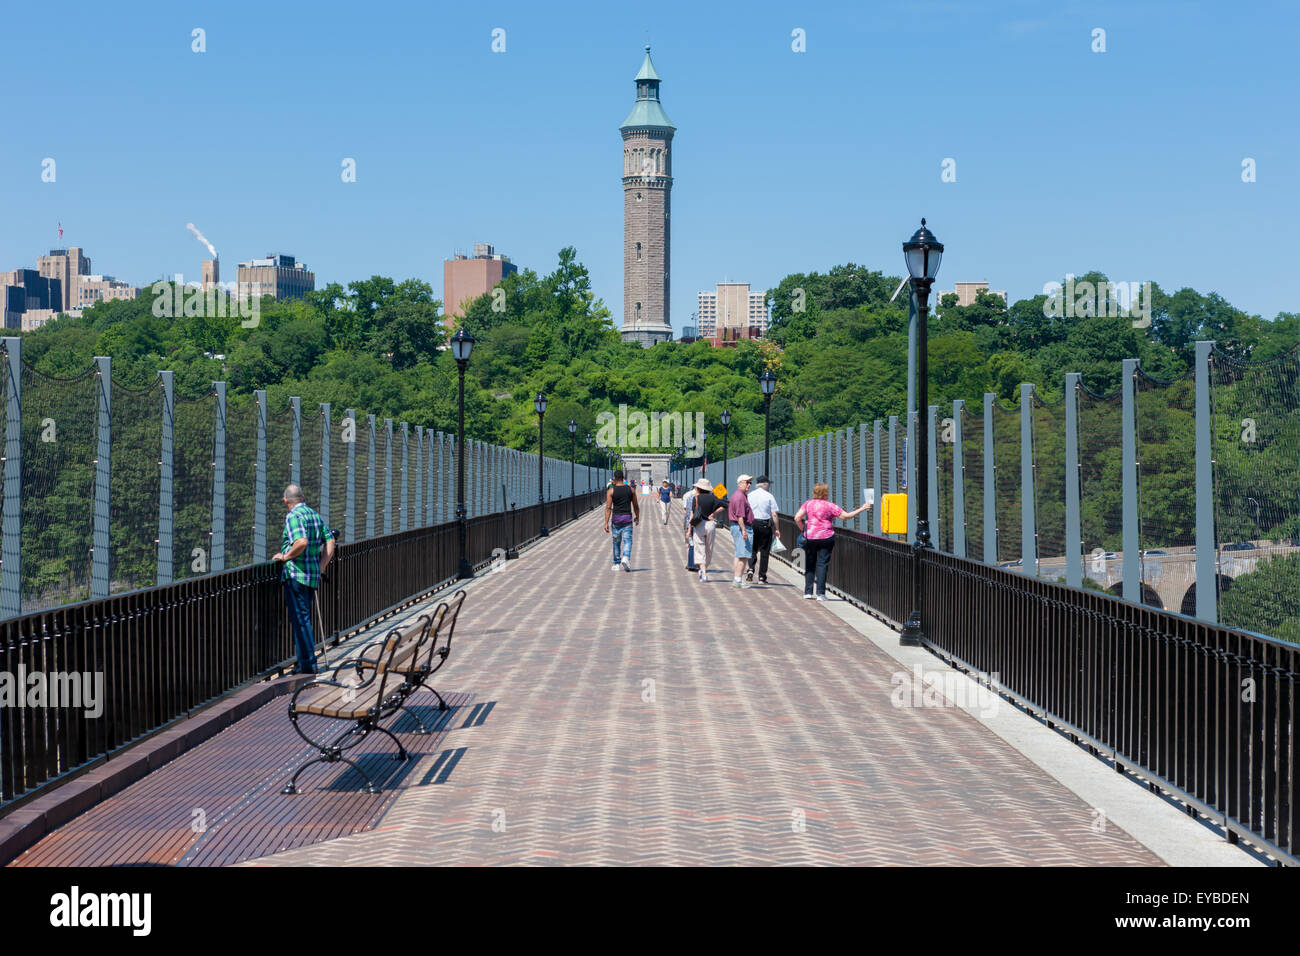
[1205, 712]
[80, 682]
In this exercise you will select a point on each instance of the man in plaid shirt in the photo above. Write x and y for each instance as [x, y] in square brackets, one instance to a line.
[306, 548]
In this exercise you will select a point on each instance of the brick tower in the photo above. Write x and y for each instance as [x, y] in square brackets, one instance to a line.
[647, 183]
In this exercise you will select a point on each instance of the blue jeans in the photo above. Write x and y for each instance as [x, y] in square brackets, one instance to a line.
[298, 598]
[622, 540]
[816, 562]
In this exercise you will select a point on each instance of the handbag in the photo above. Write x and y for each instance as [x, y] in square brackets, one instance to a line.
[777, 546]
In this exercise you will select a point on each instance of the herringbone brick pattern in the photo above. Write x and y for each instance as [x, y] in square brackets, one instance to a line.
[648, 718]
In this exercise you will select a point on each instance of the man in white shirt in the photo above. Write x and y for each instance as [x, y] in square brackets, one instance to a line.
[765, 511]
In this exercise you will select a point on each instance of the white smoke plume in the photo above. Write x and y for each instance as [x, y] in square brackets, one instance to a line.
[201, 238]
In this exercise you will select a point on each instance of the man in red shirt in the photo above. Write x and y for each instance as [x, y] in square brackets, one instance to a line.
[741, 516]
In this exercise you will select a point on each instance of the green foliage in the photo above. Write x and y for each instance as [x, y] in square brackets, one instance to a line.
[1264, 600]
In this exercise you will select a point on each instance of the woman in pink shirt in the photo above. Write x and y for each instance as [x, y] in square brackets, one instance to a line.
[820, 515]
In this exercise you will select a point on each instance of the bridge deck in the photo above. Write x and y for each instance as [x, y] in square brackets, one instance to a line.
[624, 718]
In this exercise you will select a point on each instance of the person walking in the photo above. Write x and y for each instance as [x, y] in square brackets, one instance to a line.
[665, 499]
[820, 515]
[621, 513]
[765, 511]
[741, 516]
[704, 525]
[688, 504]
[306, 549]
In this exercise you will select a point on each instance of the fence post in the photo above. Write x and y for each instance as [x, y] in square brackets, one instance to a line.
[350, 519]
[11, 555]
[403, 510]
[1207, 580]
[932, 492]
[910, 422]
[103, 470]
[295, 450]
[892, 477]
[876, 476]
[990, 487]
[259, 482]
[1129, 530]
[419, 476]
[370, 477]
[1028, 528]
[958, 481]
[217, 559]
[388, 476]
[1073, 522]
[325, 463]
[166, 475]
[862, 474]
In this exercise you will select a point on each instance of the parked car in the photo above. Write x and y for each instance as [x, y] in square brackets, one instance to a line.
[1155, 553]
[1239, 546]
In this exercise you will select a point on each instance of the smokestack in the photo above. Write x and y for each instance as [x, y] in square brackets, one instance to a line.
[201, 238]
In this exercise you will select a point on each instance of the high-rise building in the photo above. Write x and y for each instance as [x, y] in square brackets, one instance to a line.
[647, 185]
[211, 269]
[92, 289]
[464, 279]
[29, 299]
[277, 275]
[731, 312]
[68, 266]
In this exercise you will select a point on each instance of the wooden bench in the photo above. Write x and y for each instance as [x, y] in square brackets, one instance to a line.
[361, 704]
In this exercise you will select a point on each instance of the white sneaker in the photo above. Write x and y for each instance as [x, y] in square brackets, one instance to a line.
[614, 567]
[807, 597]
[821, 597]
[735, 582]
[703, 578]
[626, 567]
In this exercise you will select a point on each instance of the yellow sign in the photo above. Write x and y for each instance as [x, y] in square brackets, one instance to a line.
[720, 490]
[893, 513]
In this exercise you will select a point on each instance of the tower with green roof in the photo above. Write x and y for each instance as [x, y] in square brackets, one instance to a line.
[647, 184]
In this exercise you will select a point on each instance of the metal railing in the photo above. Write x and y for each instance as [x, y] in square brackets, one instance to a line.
[161, 652]
[1204, 712]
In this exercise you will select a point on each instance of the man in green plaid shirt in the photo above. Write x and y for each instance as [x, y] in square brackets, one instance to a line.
[306, 549]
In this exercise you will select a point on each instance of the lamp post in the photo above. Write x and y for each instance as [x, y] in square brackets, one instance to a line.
[726, 427]
[588, 462]
[922, 253]
[462, 344]
[539, 403]
[767, 382]
[573, 458]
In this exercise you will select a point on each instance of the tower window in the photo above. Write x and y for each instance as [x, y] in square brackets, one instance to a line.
[638, 251]
[638, 197]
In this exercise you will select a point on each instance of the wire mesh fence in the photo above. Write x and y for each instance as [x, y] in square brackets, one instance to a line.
[1166, 455]
[945, 444]
[1101, 486]
[59, 452]
[1256, 429]
[1006, 476]
[134, 478]
[1047, 420]
[194, 424]
[972, 453]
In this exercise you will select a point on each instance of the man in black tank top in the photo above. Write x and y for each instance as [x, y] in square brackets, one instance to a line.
[621, 513]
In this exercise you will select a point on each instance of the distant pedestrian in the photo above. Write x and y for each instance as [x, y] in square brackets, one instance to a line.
[621, 513]
[765, 511]
[665, 499]
[704, 525]
[741, 516]
[306, 549]
[820, 515]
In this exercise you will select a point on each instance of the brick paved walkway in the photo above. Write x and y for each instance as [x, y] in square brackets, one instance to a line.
[647, 718]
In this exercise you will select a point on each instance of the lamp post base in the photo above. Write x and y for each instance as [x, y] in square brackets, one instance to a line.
[511, 554]
[465, 571]
[912, 634]
[544, 533]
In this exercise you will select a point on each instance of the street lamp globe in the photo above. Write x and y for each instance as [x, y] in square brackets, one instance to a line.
[462, 343]
[573, 427]
[922, 253]
[726, 417]
[767, 382]
[539, 403]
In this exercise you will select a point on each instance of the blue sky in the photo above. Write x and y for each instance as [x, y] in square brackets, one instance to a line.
[1127, 161]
